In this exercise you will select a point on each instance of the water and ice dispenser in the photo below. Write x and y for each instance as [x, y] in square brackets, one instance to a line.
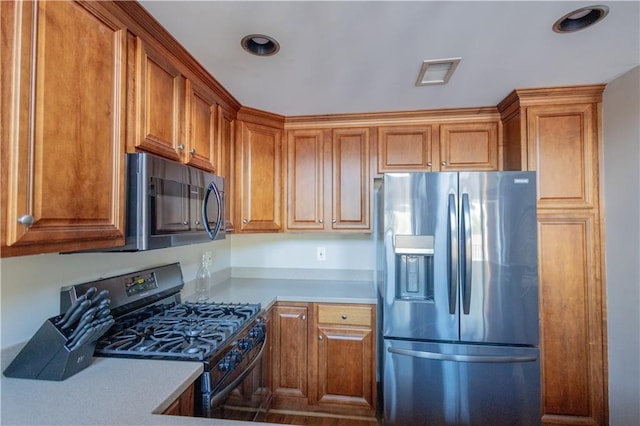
[414, 267]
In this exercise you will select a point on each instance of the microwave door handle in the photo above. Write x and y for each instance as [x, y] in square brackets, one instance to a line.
[212, 188]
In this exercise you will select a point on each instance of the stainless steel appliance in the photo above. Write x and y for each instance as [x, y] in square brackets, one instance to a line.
[171, 204]
[151, 322]
[459, 298]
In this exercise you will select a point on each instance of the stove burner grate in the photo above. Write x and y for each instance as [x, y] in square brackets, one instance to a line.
[183, 331]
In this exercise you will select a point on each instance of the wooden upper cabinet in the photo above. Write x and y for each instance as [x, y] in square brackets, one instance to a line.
[64, 68]
[328, 179]
[159, 104]
[469, 146]
[562, 149]
[351, 186]
[225, 165]
[405, 148]
[306, 179]
[201, 112]
[259, 177]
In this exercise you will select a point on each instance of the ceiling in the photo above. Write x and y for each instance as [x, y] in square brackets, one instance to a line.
[364, 56]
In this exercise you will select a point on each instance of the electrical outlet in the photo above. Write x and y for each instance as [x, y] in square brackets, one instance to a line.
[321, 254]
[208, 257]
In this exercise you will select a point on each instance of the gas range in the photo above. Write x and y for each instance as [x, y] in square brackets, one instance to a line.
[151, 322]
[191, 331]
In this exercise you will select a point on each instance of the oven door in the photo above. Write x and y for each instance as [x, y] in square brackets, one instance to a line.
[239, 390]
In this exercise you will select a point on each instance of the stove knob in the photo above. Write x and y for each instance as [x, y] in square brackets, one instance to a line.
[245, 344]
[236, 356]
[229, 361]
[226, 365]
[257, 332]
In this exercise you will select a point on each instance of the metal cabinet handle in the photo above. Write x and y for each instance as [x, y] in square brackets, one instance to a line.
[185, 222]
[192, 151]
[444, 163]
[180, 147]
[429, 164]
[320, 337]
[333, 221]
[197, 222]
[343, 316]
[244, 221]
[320, 221]
[304, 318]
[26, 220]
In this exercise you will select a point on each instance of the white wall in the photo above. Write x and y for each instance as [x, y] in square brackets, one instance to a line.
[621, 135]
[288, 250]
[30, 285]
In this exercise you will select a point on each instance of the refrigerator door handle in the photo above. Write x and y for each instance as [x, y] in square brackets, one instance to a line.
[452, 261]
[461, 358]
[466, 254]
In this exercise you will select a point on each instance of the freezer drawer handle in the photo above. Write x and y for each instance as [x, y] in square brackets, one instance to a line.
[461, 358]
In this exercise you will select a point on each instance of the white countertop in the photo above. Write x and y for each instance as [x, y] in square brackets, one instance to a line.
[267, 291]
[118, 391]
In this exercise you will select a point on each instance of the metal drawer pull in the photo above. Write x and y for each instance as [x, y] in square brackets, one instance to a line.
[344, 316]
[304, 318]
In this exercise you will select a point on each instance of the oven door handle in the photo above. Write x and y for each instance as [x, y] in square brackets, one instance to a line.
[218, 397]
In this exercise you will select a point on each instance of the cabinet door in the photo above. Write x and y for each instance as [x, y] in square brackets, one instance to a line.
[345, 367]
[225, 166]
[571, 316]
[469, 146]
[159, 111]
[351, 204]
[305, 179]
[201, 111]
[289, 355]
[405, 149]
[562, 149]
[259, 173]
[345, 358]
[64, 68]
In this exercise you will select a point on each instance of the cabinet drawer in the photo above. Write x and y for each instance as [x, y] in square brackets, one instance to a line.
[347, 315]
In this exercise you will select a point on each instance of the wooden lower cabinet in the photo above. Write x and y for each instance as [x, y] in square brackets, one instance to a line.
[345, 378]
[183, 405]
[323, 358]
[289, 356]
[573, 378]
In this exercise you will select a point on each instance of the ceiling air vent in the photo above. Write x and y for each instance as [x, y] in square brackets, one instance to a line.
[437, 71]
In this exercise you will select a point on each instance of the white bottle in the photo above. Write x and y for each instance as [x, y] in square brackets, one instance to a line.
[203, 281]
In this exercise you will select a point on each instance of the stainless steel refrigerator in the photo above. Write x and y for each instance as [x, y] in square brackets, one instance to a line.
[459, 299]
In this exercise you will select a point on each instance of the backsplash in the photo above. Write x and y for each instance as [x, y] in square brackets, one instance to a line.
[30, 285]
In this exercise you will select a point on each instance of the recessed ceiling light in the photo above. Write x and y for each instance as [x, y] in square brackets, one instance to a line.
[580, 19]
[437, 71]
[260, 45]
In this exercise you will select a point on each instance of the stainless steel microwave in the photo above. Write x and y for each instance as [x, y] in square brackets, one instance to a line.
[171, 204]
